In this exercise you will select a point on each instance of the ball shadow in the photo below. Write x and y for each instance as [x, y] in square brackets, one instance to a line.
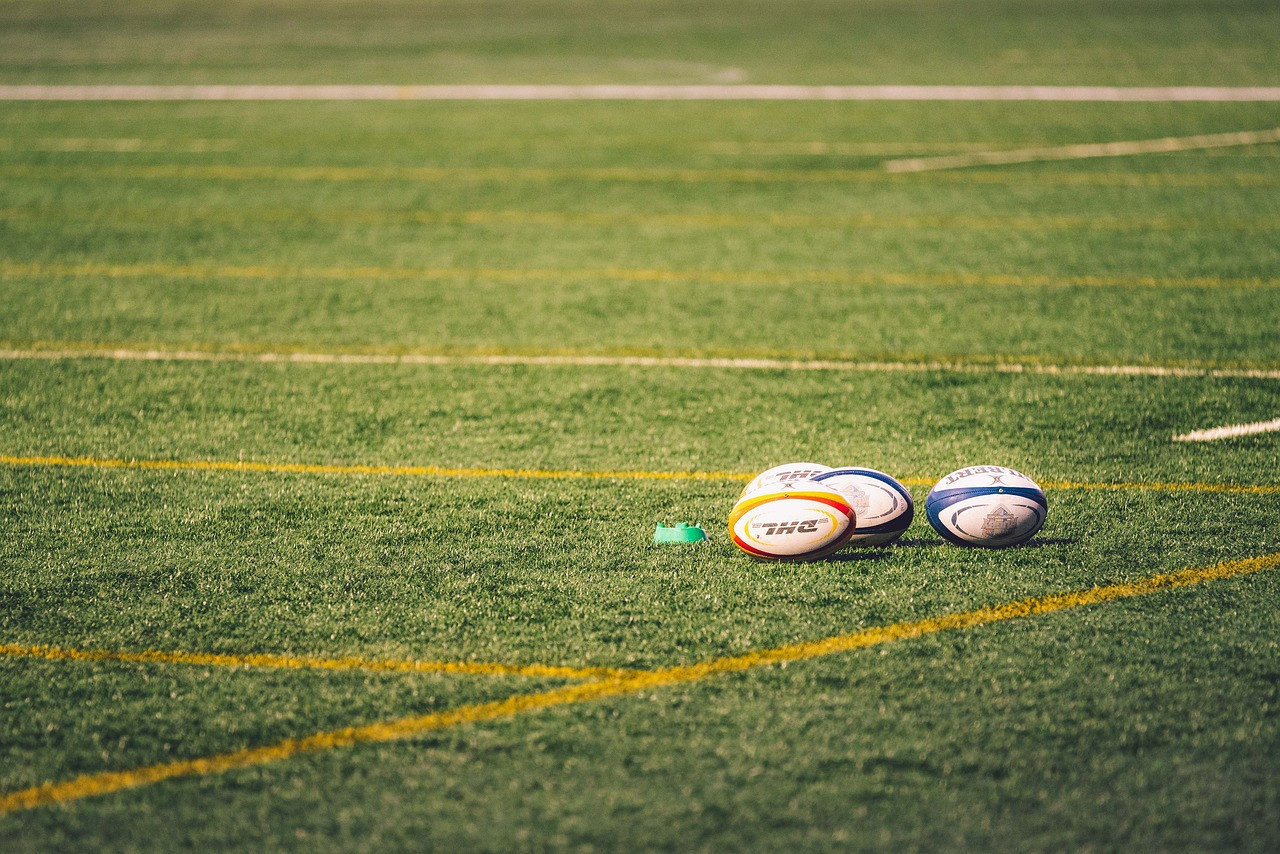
[1033, 543]
[868, 554]
[915, 544]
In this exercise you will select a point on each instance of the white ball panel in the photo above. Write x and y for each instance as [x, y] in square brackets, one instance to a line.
[783, 475]
[790, 527]
[993, 520]
[978, 476]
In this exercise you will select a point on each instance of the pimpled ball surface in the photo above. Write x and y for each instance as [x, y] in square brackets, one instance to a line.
[782, 475]
[883, 506]
[989, 506]
[799, 521]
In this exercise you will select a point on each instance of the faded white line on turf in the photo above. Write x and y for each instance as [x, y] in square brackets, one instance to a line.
[1230, 431]
[843, 149]
[116, 145]
[613, 92]
[558, 360]
[1081, 152]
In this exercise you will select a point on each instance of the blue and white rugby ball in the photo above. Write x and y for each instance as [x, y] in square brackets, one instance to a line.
[988, 506]
[883, 506]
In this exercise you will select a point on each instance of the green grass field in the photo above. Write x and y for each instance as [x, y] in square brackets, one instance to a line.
[335, 433]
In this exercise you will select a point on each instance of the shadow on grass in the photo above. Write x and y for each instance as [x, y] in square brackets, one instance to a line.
[1034, 543]
[863, 554]
[914, 544]
[1038, 543]
[867, 554]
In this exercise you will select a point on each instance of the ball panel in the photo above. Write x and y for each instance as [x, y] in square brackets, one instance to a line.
[816, 554]
[990, 506]
[943, 497]
[783, 475]
[804, 491]
[800, 522]
[974, 476]
[987, 517]
[883, 506]
[788, 528]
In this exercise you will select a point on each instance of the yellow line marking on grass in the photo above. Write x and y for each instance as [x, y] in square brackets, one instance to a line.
[998, 365]
[1157, 486]
[631, 174]
[549, 474]
[863, 220]
[399, 471]
[113, 781]
[105, 783]
[307, 662]
[1083, 151]
[9, 269]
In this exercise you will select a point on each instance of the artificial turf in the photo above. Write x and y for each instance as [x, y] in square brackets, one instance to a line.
[614, 229]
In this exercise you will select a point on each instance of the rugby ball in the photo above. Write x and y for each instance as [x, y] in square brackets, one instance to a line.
[882, 506]
[989, 506]
[782, 475]
[803, 520]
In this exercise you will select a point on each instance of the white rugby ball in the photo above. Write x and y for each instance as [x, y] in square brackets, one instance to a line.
[782, 475]
[989, 506]
[882, 505]
[797, 521]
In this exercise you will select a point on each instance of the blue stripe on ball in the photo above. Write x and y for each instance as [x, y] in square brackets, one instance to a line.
[938, 501]
[946, 497]
[894, 525]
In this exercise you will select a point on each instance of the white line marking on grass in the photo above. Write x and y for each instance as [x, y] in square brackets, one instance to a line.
[586, 360]
[1230, 431]
[730, 92]
[1080, 152]
[845, 149]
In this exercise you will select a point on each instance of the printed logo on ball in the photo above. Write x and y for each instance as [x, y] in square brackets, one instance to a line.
[995, 522]
[787, 474]
[787, 530]
[986, 476]
[803, 526]
[873, 502]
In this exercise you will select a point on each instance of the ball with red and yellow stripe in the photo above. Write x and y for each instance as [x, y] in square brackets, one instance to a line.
[800, 520]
